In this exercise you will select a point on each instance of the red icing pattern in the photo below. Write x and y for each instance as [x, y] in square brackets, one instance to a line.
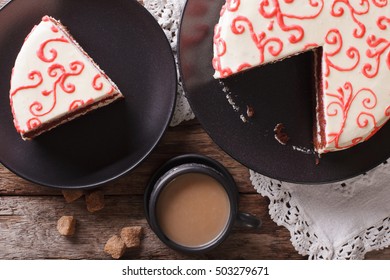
[76, 104]
[95, 85]
[220, 47]
[41, 51]
[54, 28]
[338, 11]
[335, 38]
[380, 3]
[310, 46]
[111, 91]
[34, 75]
[345, 99]
[79, 103]
[273, 45]
[33, 123]
[274, 11]
[76, 67]
[378, 47]
[382, 22]
[231, 6]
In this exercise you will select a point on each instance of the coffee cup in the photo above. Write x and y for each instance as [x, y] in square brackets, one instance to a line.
[191, 203]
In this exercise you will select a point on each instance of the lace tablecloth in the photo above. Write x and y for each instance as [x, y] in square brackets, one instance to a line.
[342, 220]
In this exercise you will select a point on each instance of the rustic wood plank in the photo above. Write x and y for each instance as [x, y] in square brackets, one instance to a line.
[28, 213]
[28, 231]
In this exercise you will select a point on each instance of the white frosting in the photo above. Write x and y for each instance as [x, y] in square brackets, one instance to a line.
[343, 28]
[57, 90]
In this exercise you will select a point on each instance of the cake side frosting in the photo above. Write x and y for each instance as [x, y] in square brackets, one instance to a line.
[53, 78]
[355, 40]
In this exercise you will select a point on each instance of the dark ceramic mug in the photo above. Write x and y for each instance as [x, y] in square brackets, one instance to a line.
[195, 164]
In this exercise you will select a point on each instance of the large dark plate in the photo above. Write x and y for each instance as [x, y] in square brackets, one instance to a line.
[279, 93]
[129, 45]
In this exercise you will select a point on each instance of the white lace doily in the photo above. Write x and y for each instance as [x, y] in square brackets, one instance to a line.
[334, 221]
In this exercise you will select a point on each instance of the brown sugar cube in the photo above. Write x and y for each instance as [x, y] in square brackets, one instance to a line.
[131, 236]
[115, 247]
[72, 195]
[66, 225]
[95, 201]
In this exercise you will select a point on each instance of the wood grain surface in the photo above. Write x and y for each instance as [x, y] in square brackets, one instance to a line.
[29, 213]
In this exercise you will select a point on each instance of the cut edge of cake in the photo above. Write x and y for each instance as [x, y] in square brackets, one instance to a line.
[319, 138]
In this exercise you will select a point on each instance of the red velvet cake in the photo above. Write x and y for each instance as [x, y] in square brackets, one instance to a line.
[351, 39]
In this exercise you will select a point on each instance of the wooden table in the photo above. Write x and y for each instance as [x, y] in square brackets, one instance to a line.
[29, 213]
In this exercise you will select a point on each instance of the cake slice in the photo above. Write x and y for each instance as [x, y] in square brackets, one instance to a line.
[54, 81]
[351, 40]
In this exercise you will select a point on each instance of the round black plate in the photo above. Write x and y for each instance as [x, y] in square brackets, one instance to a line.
[279, 93]
[129, 45]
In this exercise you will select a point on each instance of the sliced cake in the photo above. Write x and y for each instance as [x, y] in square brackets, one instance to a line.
[351, 39]
[54, 80]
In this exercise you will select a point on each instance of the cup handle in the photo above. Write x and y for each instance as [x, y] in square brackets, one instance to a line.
[248, 220]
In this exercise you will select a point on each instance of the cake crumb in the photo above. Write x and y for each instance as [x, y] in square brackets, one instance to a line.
[318, 159]
[303, 150]
[250, 111]
[95, 201]
[66, 225]
[115, 247]
[280, 135]
[72, 195]
[131, 236]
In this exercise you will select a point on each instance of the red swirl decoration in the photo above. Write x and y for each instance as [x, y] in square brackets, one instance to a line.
[231, 6]
[274, 11]
[57, 71]
[220, 50]
[387, 111]
[345, 98]
[37, 79]
[111, 91]
[34, 76]
[95, 84]
[383, 22]
[54, 28]
[33, 123]
[335, 38]
[76, 104]
[273, 45]
[378, 48]
[380, 3]
[41, 51]
[338, 11]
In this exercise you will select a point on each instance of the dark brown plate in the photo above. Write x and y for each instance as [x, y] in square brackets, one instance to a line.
[278, 93]
[129, 45]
